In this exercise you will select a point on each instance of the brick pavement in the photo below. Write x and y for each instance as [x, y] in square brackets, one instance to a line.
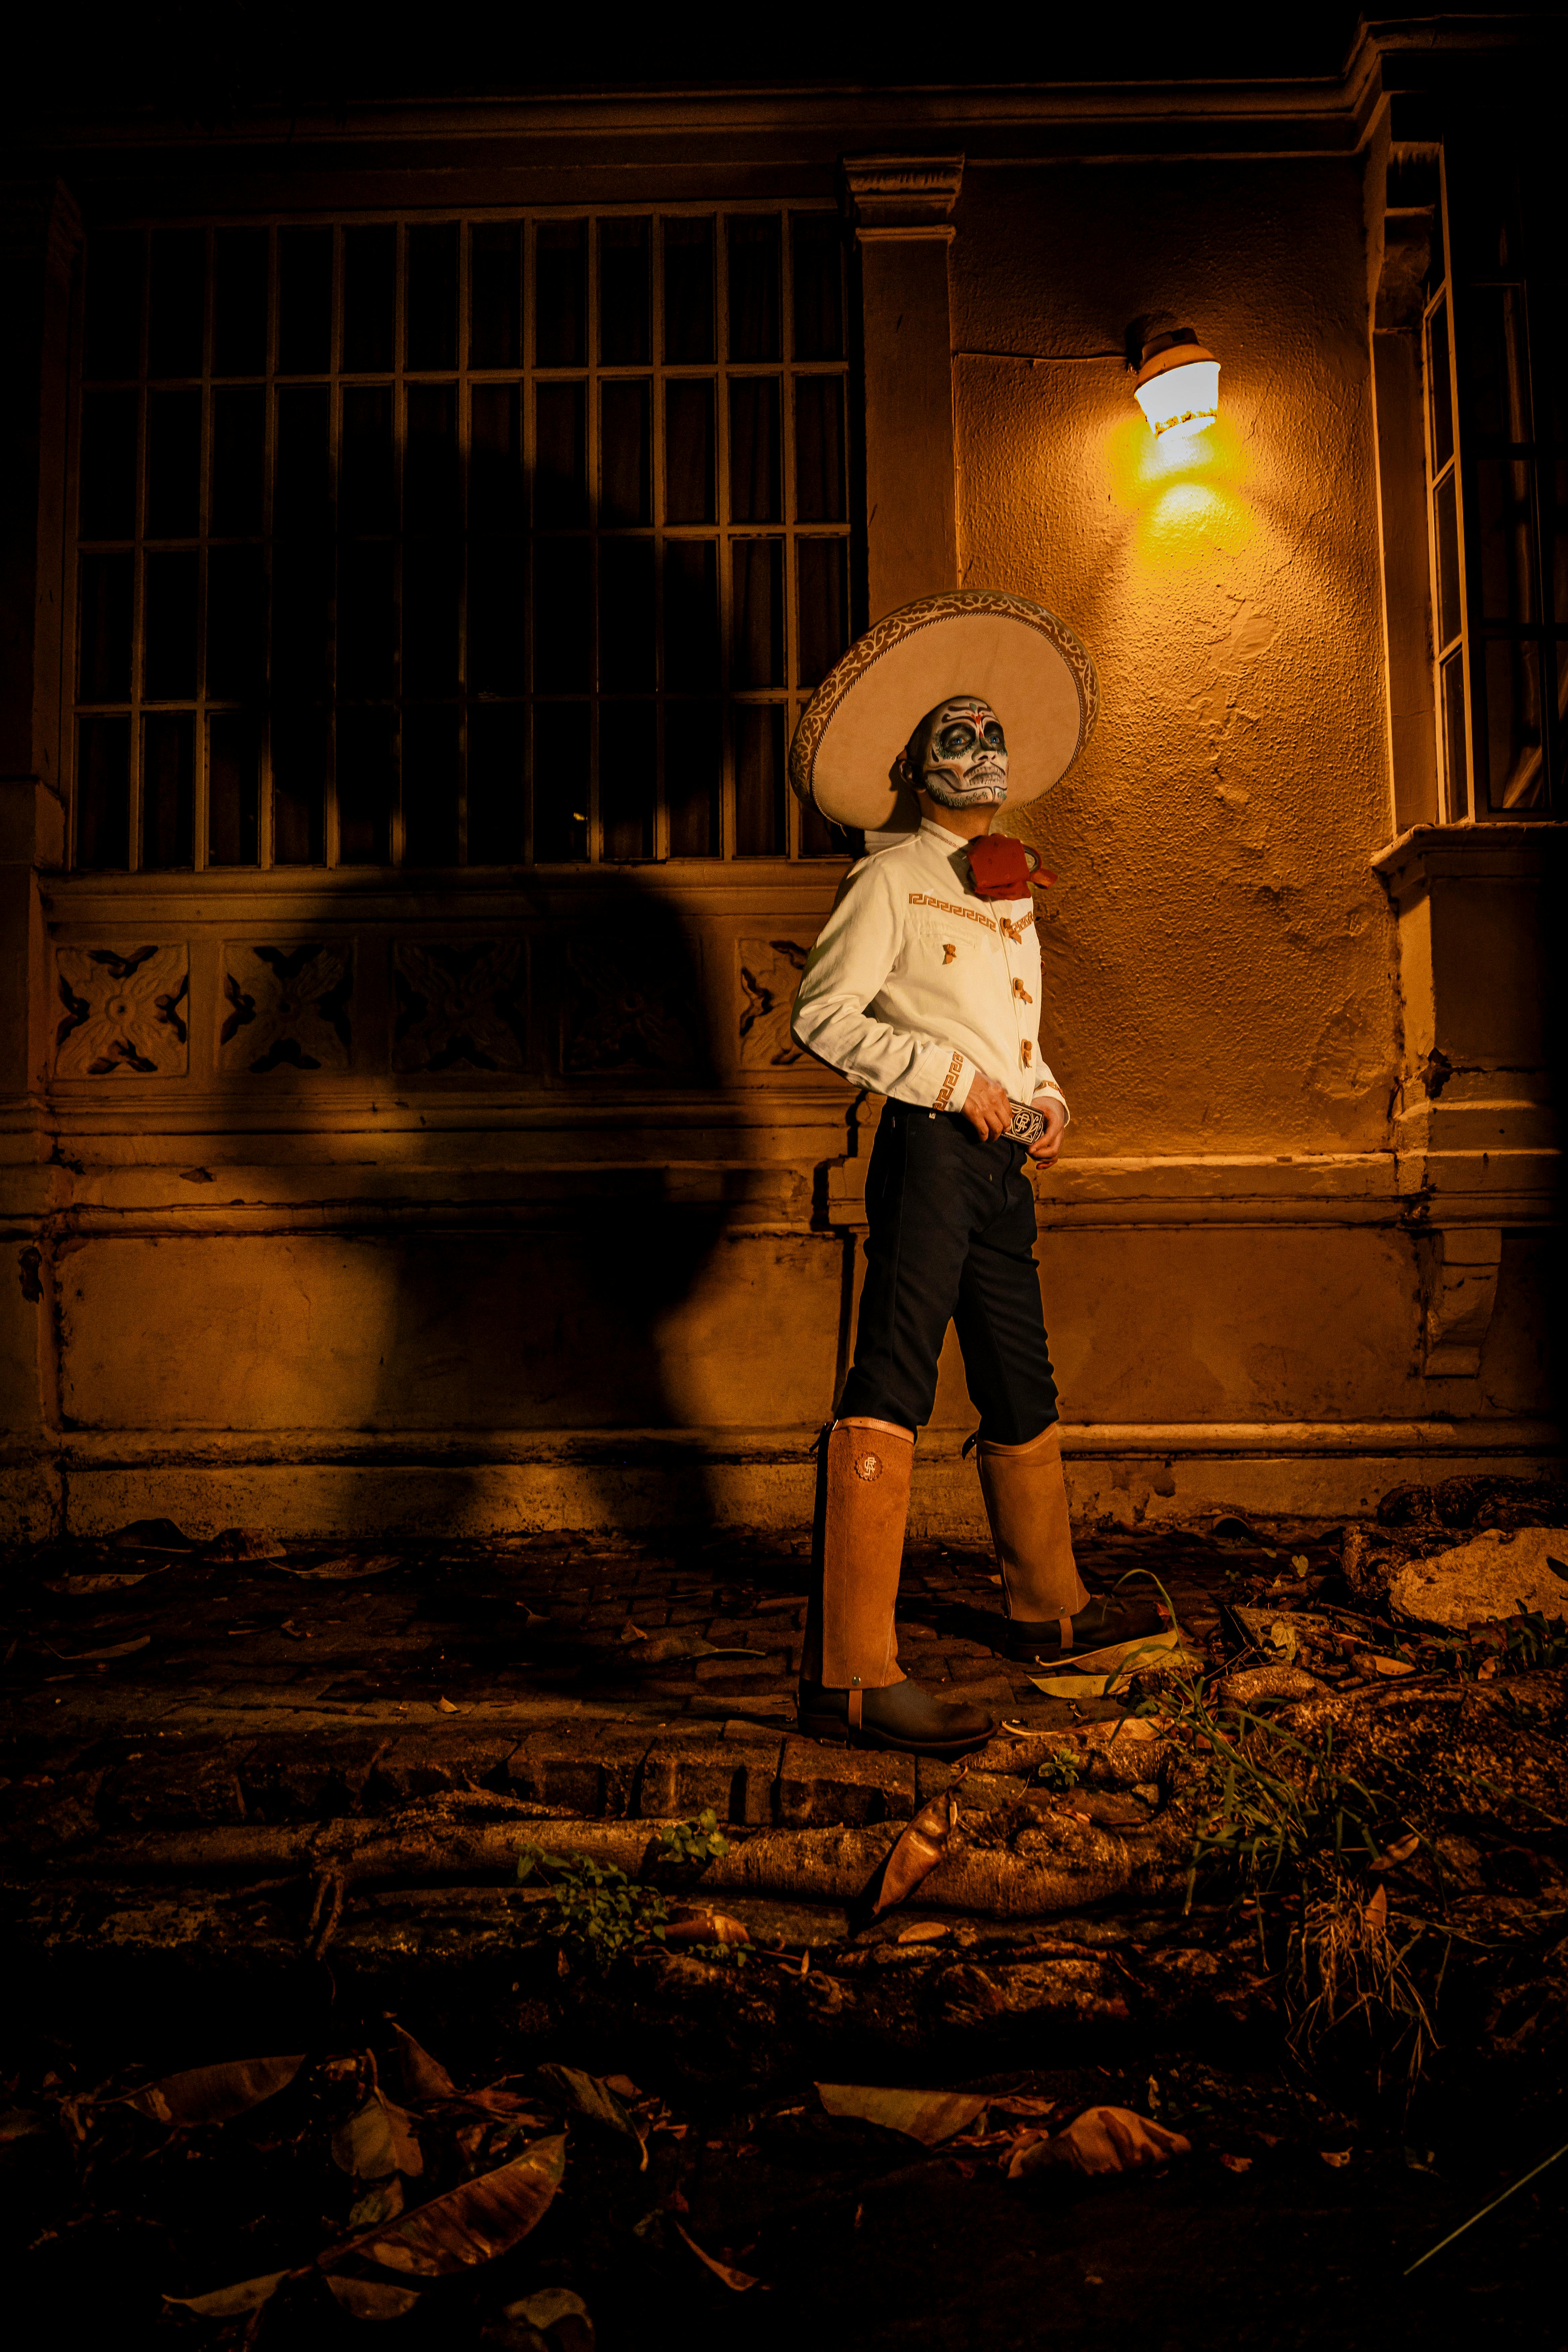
[583, 1673]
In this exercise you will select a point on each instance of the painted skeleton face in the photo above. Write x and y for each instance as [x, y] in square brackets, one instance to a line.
[959, 754]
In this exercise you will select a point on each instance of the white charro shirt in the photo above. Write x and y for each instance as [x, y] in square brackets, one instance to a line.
[916, 983]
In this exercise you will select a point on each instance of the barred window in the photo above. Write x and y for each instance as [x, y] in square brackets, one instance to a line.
[440, 542]
[1496, 442]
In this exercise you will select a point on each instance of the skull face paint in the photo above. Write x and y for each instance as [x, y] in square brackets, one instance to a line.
[958, 754]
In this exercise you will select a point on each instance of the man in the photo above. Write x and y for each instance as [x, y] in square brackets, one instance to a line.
[924, 987]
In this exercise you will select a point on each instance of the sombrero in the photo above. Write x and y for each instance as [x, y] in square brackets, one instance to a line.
[1027, 665]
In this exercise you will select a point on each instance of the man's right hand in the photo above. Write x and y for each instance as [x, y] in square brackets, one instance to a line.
[988, 1108]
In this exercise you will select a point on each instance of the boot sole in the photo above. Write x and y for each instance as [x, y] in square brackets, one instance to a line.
[1019, 1654]
[829, 1731]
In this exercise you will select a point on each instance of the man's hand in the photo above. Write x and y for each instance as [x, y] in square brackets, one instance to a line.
[988, 1108]
[1055, 1116]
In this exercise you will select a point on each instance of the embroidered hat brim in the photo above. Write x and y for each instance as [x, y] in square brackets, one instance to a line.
[1025, 662]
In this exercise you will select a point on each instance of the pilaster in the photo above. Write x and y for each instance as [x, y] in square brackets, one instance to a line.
[900, 207]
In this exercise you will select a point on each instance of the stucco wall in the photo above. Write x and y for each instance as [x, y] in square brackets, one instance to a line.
[607, 1293]
[1221, 963]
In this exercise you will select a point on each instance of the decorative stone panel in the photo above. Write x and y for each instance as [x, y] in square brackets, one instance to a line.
[122, 1010]
[461, 1005]
[630, 1006]
[770, 974]
[285, 1007]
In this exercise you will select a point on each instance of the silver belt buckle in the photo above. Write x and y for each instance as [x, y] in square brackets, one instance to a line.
[1027, 1124]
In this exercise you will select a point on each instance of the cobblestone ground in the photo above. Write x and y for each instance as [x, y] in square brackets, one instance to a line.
[584, 1647]
[166, 1692]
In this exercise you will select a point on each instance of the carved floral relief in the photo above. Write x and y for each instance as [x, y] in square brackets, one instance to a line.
[285, 1007]
[122, 1010]
[460, 1005]
[770, 973]
[630, 1006]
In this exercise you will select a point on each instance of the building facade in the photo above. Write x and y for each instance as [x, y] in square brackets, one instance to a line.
[424, 526]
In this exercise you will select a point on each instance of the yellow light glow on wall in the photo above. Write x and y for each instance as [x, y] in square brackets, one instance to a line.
[1187, 495]
[1178, 384]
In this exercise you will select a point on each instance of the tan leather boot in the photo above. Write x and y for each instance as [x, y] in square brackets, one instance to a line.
[851, 1686]
[1026, 1504]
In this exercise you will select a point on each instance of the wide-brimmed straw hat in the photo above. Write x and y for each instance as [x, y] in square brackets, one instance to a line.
[1022, 660]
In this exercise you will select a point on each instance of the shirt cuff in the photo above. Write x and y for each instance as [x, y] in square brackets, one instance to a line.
[952, 1087]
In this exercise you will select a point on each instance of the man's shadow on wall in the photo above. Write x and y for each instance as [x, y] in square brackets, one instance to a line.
[528, 1355]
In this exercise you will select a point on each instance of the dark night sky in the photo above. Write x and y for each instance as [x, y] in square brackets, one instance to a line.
[210, 61]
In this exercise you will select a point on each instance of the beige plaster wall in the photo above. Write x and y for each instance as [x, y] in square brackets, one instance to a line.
[375, 1303]
[1221, 963]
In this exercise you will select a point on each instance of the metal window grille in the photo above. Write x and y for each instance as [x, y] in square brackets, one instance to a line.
[430, 542]
[1496, 446]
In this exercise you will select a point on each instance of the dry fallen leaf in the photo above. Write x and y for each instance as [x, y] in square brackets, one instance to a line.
[554, 2309]
[622, 2084]
[229, 2302]
[1108, 2139]
[926, 2115]
[589, 2095]
[94, 1583]
[923, 1931]
[1338, 2157]
[1401, 1850]
[375, 2141]
[88, 1657]
[214, 2095]
[739, 2280]
[1235, 2163]
[1380, 1665]
[337, 1571]
[1099, 1672]
[372, 2299]
[693, 1926]
[664, 1649]
[919, 1850]
[1023, 2104]
[424, 2077]
[471, 2223]
[382, 2202]
[445, 1707]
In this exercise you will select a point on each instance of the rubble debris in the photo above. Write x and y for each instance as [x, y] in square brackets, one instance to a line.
[1230, 1530]
[152, 1535]
[1414, 1521]
[242, 1544]
[1500, 1573]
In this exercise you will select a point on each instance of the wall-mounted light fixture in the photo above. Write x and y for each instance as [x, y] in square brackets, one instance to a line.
[1178, 383]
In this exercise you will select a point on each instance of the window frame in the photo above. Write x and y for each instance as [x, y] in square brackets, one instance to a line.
[1466, 798]
[789, 531]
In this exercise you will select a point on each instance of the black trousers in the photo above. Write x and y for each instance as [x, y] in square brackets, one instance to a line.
[952, 1240]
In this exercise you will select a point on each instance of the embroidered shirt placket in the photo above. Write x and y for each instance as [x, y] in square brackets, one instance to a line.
[870, 1002]
[1014, 930]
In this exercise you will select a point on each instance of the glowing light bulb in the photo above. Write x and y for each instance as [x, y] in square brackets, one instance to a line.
[1178, 385]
